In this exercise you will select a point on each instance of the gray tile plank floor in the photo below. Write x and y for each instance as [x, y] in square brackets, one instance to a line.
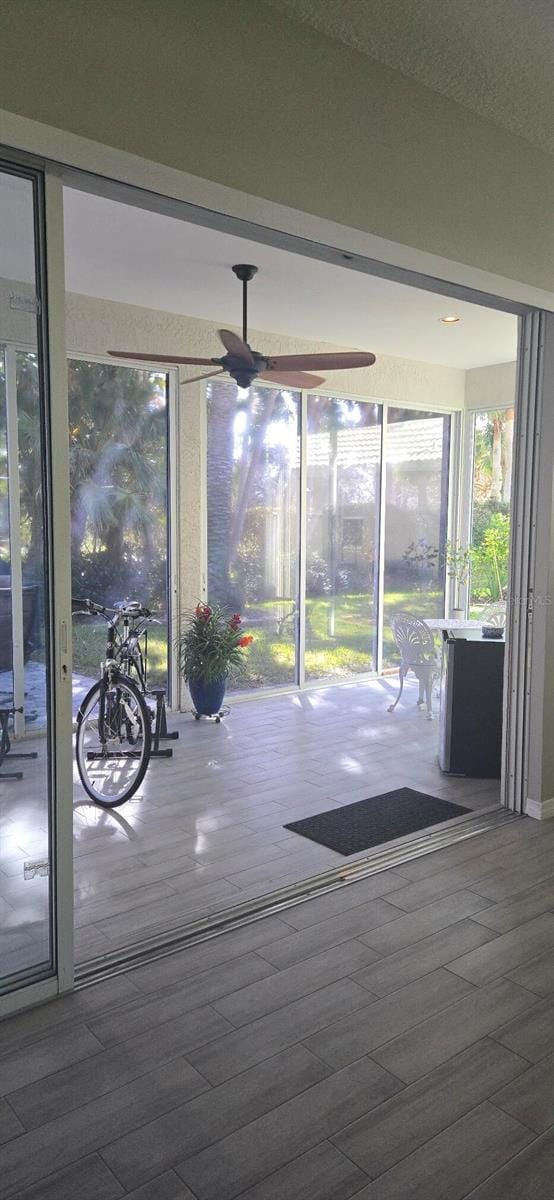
[206, 829]
[407, 1055]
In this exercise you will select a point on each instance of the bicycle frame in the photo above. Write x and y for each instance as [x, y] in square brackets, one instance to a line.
[124, 650]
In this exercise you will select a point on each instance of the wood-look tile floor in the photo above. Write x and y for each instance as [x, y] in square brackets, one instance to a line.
[390, 1040]
[206, 829]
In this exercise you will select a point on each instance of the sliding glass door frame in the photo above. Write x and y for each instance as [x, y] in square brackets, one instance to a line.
[116, 175]
[452, 521]
[41, 984]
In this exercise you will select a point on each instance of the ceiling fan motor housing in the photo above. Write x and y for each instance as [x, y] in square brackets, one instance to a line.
[239, 370]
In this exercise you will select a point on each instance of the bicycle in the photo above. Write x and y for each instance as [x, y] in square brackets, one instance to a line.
[114, 738]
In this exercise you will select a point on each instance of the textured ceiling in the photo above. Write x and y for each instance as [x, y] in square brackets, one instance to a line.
[495, 57]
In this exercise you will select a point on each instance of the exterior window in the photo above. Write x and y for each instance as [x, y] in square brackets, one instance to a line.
[118, 445]
[342, 537]
[416, 516]
[493, 433]
[253, 486]
[256, 490]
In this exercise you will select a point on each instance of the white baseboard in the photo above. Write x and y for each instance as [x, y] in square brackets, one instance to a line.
[541, 810]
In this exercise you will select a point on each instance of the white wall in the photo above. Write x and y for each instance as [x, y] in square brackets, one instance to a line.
[491, 387]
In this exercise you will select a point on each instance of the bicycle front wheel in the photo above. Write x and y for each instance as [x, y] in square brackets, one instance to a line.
[113, 741]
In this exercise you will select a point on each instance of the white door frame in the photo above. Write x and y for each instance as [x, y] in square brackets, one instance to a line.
[528, 782]
[83, 163]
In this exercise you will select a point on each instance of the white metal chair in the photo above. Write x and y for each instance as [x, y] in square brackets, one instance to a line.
[416, 645]
[493, 614]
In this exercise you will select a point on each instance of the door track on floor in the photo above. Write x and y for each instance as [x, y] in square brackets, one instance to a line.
[190, 934]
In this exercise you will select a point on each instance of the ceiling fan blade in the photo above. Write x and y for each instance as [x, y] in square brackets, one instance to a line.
[321, 362]
[294, 379]
[235, 346]
[164, 358]
[210, 375]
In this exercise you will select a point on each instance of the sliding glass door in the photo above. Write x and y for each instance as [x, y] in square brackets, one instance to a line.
[27, 940]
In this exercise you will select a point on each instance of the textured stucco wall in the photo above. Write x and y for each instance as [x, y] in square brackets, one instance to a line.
[95, 326]
[244, 96]
[491, 387]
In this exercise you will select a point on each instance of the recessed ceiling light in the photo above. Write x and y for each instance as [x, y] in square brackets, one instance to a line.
[449, 320]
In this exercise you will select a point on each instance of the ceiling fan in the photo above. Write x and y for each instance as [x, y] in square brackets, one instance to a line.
[244, 365]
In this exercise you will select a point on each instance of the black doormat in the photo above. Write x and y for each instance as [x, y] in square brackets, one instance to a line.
[355, 827]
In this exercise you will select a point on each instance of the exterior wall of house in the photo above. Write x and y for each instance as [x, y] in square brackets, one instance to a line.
[242, 95]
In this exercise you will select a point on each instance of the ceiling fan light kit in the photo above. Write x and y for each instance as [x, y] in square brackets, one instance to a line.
[245, 365]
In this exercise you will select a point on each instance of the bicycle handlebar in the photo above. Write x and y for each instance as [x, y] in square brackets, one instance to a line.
[131, 609]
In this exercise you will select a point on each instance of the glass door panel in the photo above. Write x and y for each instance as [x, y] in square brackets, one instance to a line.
[26, 950]
[342, 536]
[253, 482]
[118, 459]
[416, 517]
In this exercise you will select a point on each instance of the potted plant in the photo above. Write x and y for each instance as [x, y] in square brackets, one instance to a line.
[457, 560]
[210, 649]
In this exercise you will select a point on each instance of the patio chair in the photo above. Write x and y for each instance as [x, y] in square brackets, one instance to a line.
[493, 614]
[416, 645]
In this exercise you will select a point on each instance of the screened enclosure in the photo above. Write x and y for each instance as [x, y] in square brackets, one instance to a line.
[493, 433]
[325, 516]
[118, 458]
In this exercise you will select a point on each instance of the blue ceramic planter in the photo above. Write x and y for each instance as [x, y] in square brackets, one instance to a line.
[207, 697]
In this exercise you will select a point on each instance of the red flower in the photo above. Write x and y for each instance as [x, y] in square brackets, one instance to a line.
[235, 621]
[204, 611]
[246, 640]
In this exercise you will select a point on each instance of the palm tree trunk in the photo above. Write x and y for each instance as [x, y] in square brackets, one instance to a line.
[220, 484]
[255, 458]
[507, 449]
[496, 465]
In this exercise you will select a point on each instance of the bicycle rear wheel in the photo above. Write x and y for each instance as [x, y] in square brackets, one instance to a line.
[113, 741]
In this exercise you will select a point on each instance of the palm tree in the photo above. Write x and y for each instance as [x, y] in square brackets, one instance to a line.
[117, 457]
[239, 477]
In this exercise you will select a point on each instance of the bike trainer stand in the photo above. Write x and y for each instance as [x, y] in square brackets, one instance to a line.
[5, 744]
[161, 732]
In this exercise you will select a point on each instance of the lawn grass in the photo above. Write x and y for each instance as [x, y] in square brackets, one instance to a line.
[338, 654]
[346, 651]
[89, 650]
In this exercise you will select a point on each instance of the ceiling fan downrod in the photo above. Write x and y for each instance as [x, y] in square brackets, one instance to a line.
[245, 272]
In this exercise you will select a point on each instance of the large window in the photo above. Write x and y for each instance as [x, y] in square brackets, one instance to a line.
[342, 536]
[291, 505]
[118, 435]
[493, 433]
[253, 476]
[416, 516]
